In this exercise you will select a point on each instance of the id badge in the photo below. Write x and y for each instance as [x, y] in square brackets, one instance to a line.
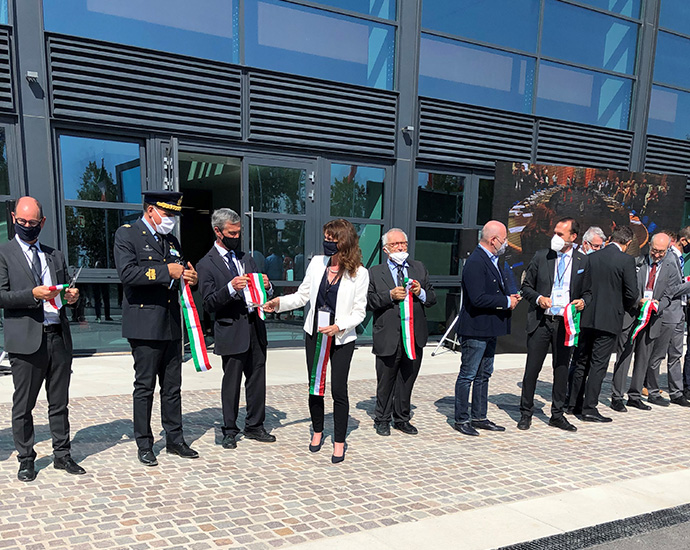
[648, 294]
[324, 318]
[560, 298]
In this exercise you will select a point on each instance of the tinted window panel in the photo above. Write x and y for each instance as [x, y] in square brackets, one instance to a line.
[440, 197]
[4, 173]
[672, 62]
[631, 8]
[357, 191]
[100, 170]
[675, 15]
[203, 28]
[277, 189]
[472, 74]
[438, 250]
[300, 40]
[384, 9]
[587, 37]
[669, 113]
[4, 18]
[583, 96]
[511, 23]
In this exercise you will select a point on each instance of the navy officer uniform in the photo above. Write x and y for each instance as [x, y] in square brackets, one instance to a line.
[151, 319]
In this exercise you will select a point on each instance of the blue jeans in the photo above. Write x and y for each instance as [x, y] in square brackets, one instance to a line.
[476, 368]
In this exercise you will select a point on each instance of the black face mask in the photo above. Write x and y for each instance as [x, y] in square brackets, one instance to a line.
[686, 248]
[27, 234]
[231, 243]
[330, 248]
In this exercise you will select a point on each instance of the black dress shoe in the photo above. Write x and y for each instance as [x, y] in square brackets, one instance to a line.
[26, 472]
[562, 424]
[229, 442]
[657, 400]
[525, 422]
[405, 427]
[639, 404]
[618, 405]
[260, 435]
[573, 411]
[596, 417]
[147, 458]
[317, 448]
[487, 425]
[181, 449]
[66, 463]
[680, 400]
[465, 428]
[382, 428]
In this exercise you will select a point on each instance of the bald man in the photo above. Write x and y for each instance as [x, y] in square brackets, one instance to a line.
[658, 278]
[487, 304]
[37, 336]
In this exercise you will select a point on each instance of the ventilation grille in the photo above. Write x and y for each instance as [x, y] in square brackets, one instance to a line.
[669, 156]
[138, 88]
[316, 114]
[461, 134]
[6, 95]
[579, 145]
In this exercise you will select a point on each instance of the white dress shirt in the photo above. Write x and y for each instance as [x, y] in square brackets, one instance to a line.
[49, 317]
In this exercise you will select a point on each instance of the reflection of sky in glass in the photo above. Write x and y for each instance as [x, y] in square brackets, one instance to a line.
[669, 113]
[463, 72]
[675, 15]
[300, 40]
[370, 179]
[583, 96]
[202, 28]
[77, 152]
[672, 61]
[3, 12]
[385, 9]
[511, 23]
[600, 40]
[631, 8]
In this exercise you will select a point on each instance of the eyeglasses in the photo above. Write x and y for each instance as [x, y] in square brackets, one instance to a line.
[594, 246]
[657, 252]
[400, 244]
[28, 223]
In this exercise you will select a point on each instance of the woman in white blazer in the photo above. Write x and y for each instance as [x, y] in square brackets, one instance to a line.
[335, 286]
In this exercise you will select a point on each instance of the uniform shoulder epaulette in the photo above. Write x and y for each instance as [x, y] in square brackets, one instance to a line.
[126, 225]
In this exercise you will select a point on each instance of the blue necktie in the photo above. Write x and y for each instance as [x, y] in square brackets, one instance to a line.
[231, 265]
[681, 258]
[561, 271]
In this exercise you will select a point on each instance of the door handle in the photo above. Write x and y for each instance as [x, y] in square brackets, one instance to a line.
[311, 195]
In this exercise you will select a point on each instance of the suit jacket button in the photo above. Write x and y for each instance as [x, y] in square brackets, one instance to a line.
[150, 258]
[142, 305]
[168, 301]
[164, 260]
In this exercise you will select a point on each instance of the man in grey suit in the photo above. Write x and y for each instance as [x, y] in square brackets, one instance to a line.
[658, 278]
[395, 371]
[37, 336]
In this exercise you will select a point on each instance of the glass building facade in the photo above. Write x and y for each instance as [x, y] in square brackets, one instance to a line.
[390, 113]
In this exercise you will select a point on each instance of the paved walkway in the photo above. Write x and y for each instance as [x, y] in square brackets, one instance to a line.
[436, 489]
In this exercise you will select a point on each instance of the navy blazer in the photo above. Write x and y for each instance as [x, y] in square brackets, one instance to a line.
[484, 312]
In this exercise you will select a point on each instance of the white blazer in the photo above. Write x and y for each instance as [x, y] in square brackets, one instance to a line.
[350, 305]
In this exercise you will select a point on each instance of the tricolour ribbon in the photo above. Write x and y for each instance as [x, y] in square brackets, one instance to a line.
[643, 318]
[59, 300]
[255, 293]
[197, 345]
[571, 318]
[407, 321]
[317, 383]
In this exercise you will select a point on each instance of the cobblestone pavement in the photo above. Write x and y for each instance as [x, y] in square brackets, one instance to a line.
[274, 495]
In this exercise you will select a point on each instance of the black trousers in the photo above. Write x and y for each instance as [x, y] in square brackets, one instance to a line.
[339, 365]
[251, 363]
[53, 364]
[596, 347]
[162, 360]
[395, 375]
[549, 333]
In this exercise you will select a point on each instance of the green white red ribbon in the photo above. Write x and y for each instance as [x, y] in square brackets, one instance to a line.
[407, 321]
[571, 318]
[197, 344]
[317, 384]
[59, 300]
[255, 293]
[643, 318]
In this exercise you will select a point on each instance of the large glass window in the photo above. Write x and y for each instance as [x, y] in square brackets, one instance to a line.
[4, 16]
[385, 9]
[440, 197]
[588, 37]
[583, 96]
[356, 191]
[439, 250]
[675, 15]
[669, 113]
[4, 172]
[204, 28]
[631, 8]
[311, 42]
[277, 189]
[510, 23]
[672, 61]
[463, 72]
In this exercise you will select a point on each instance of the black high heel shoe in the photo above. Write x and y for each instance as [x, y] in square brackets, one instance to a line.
[338, 459]
[317, 448]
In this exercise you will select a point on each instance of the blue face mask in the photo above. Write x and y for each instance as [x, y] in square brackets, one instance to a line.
[330, 248]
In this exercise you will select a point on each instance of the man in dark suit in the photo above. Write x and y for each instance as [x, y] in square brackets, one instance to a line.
[614, 291]
[487, 304]
[395, 371]
[658, 276]
[555, 278]
[240, 334]
[149, 262]
[37, 336]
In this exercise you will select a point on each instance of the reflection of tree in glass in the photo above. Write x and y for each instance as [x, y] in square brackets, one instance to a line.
[90, 231]
[348, 198]
[276, 189]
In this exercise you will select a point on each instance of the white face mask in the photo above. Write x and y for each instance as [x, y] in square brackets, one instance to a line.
[398, 257]
[166, 225]
[557, 243]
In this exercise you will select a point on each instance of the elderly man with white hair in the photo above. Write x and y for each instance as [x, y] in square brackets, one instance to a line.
[594, 239]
